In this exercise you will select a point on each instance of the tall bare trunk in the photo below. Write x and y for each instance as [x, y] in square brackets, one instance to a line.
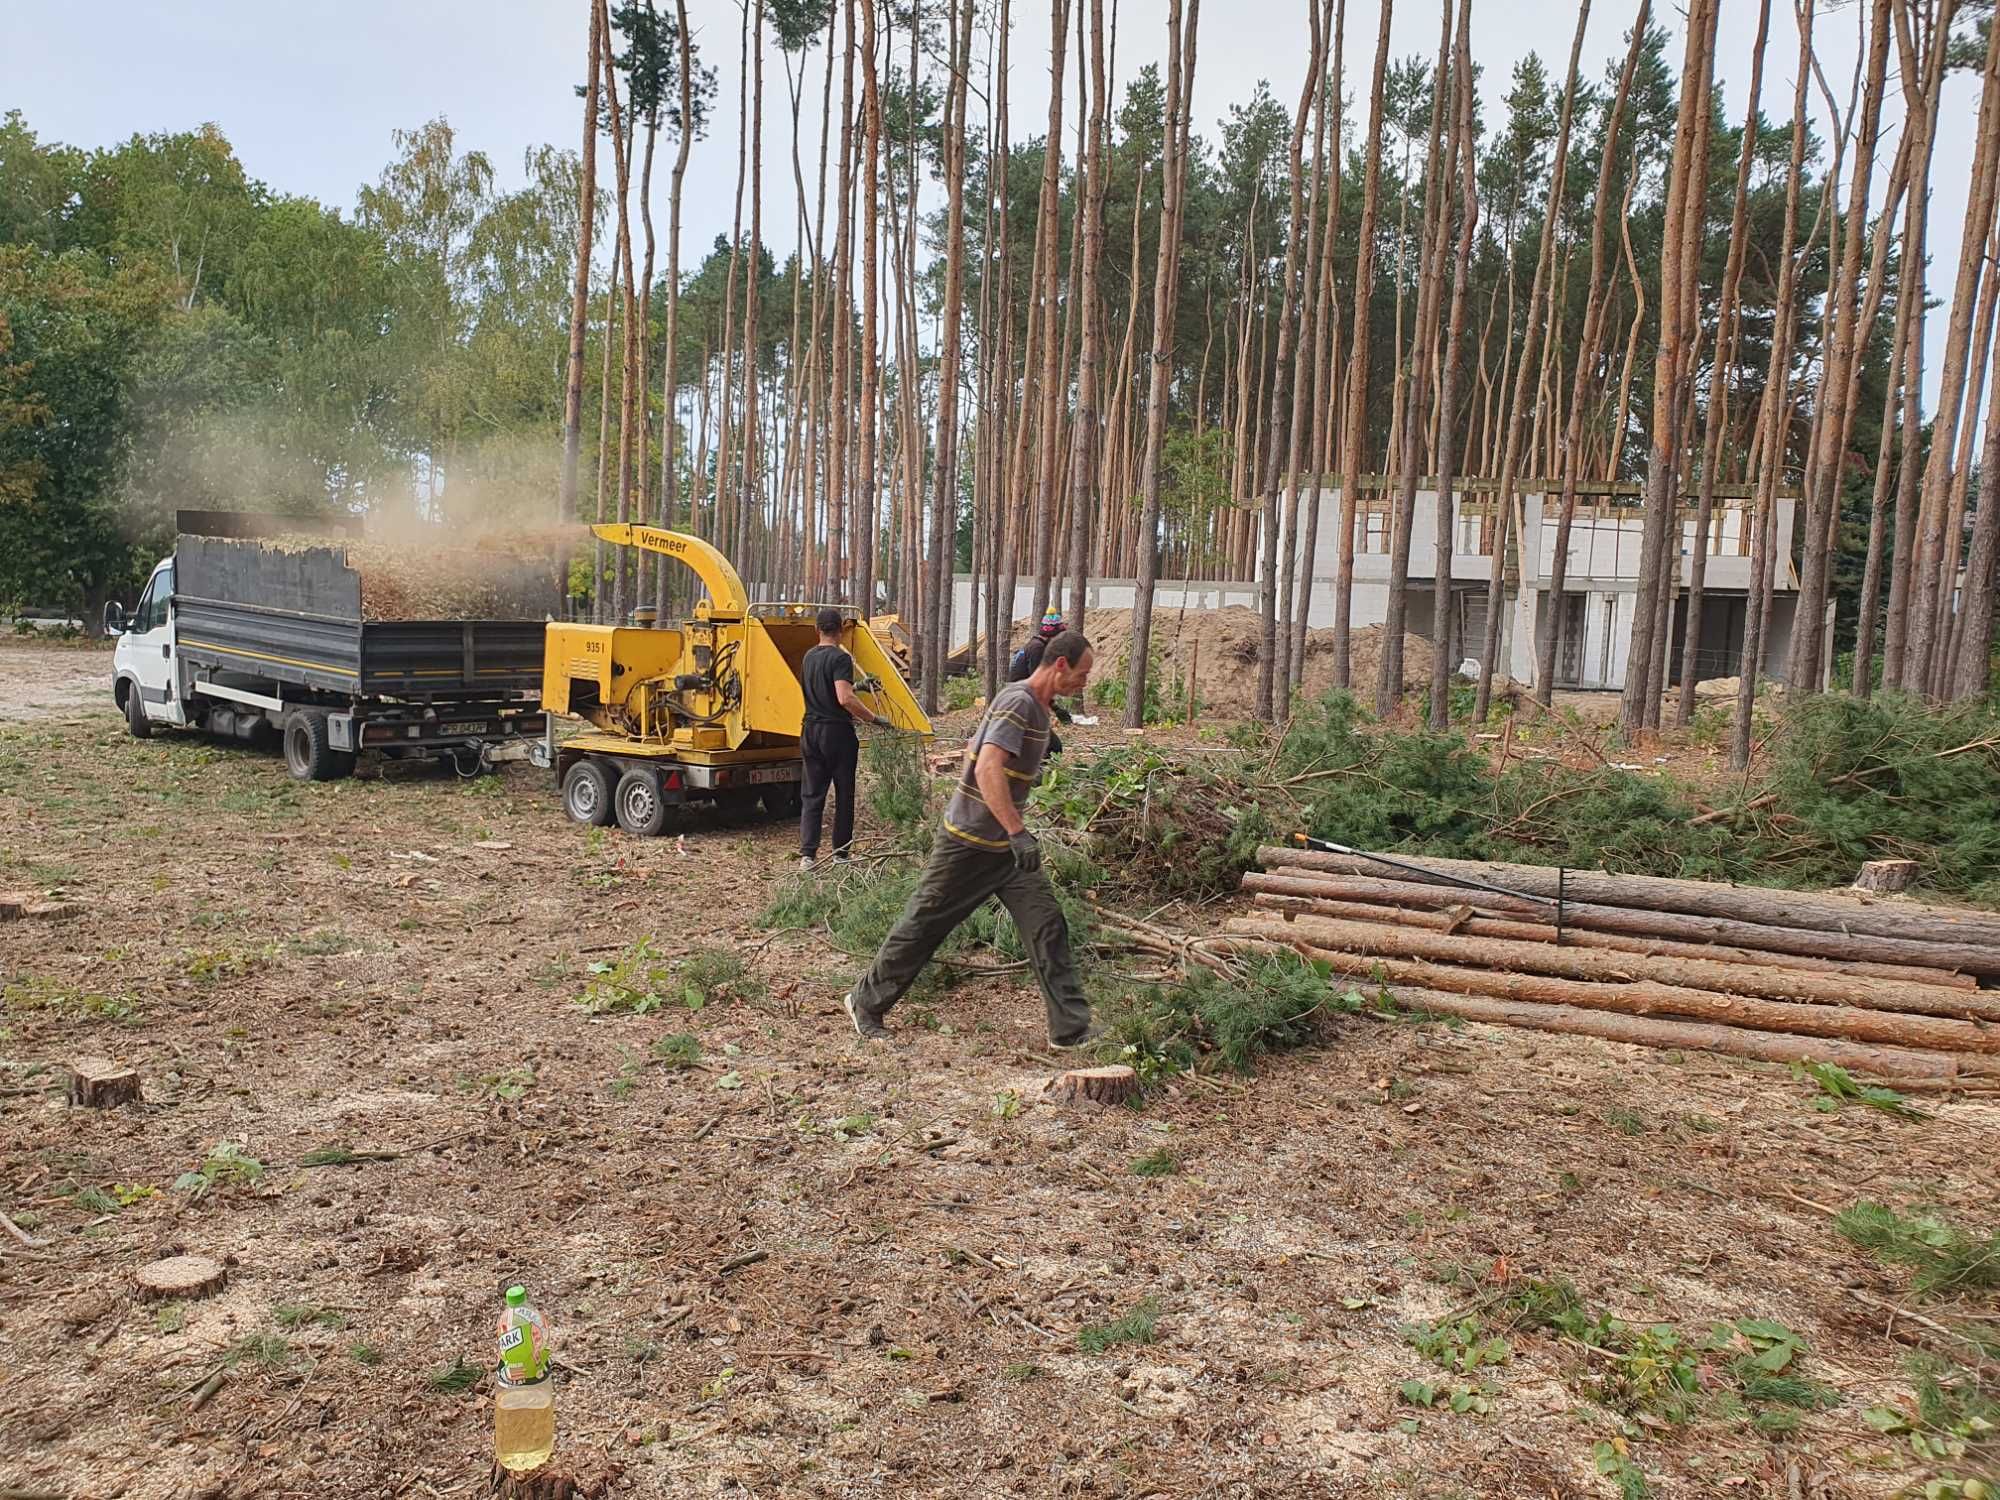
[669, 377]
[628, 394]
[944, 515]
[1084, 496]
[579, 302]
[1525, 383]
[1728, 326]
[1583, 377]
[1050, 427]
[1679, 270]
[1777, 413]
[1173, 182]
[1354, 432]
[1442, 666]
[864, 502]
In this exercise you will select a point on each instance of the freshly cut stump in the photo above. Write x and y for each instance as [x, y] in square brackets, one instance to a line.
[99, 1083]
[26, 905]
[1886, 877]
[553, 1481]
[1112, 1085]
[181, 1276]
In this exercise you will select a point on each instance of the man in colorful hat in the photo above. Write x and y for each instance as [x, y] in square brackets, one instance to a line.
[1029, 657]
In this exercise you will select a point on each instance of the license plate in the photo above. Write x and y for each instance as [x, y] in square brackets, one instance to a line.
[775, 773]
[476, 727]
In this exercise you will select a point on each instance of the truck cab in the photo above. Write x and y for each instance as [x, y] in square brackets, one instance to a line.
[145, 679]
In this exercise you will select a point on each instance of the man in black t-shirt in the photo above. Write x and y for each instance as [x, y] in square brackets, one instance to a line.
[827, 741]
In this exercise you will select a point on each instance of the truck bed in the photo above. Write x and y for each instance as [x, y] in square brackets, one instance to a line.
[415, 660]
[295, 617]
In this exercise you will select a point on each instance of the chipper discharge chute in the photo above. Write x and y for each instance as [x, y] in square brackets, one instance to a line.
[709, 709]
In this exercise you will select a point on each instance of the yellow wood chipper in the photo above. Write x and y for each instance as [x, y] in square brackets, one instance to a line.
[707, 710]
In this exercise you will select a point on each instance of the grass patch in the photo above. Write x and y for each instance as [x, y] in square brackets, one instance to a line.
[1139, 1326]
[364, 1354]
[454, 1379]
[680, 1050]
[642, 979]
[228, 1165]
[35, 992]
[295, 1315]
[270, 1350]
[1160, 1163]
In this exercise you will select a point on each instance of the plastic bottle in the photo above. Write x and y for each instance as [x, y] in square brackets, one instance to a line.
[524, 1407]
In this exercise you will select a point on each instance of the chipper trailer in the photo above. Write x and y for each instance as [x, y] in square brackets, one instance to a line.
[708, 710]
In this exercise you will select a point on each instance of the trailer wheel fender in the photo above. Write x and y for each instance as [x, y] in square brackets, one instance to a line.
[642, 807]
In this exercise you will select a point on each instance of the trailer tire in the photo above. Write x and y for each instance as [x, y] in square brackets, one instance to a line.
[136, 723]
[309, 752]
[586, 793]
[781, 800]
[642, 810]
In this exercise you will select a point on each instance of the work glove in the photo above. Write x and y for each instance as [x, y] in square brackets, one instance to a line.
[1027, 853]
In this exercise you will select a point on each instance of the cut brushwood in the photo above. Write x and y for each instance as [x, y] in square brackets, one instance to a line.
[1111, 1085]
[99, 1083]
[181, 1276]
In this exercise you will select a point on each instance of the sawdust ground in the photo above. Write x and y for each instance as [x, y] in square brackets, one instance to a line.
[361, 964]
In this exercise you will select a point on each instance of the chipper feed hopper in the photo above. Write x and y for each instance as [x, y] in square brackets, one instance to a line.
[707, 710]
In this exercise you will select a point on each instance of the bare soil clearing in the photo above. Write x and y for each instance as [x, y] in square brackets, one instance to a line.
[49, 681]
[379, 975]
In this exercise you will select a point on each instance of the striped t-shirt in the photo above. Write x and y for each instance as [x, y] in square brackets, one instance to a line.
[1018, 724]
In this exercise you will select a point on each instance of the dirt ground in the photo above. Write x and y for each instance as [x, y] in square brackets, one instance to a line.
[41, 679]
[805, 1266]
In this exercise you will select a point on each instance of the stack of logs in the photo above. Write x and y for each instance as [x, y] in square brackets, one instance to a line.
[1888, 990]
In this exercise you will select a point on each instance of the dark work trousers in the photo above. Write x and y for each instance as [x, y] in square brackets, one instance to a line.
[831, 752]
[957, 882]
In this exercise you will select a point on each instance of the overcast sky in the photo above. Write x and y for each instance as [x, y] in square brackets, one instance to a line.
[308, 91]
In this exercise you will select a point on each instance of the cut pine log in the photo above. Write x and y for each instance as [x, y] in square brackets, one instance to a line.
[1395, 940]
[181, 1276]
[1112, 1085]
[1975, 935]
[1679, 925]
[1468, 916]
[99, 1083]
[1898, 1065]
[1642, 997]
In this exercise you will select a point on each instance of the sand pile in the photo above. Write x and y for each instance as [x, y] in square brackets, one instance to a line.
[1223, 646]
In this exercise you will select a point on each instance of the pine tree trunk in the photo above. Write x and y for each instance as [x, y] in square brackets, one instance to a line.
[1442, 666]
[944, 516]
[1354, 425]
[1084, 494]
[579, 305]
[1049, 435]
[1173, 182]
[1776, 417]
[1678, 312]
[1728, 324]
[669, 377]
[1525, 377]
[864, 501]
[628, 393]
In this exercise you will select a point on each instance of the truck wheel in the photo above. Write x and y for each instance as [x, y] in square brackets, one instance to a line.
[642, 811]
[136, 722]
[586, 793]
[309, 753]
[782, 799]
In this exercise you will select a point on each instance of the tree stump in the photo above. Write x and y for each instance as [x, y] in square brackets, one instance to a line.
[1112, 1085]
[1885, 877]
[99, 1083]
[181, 1276]
[555, 1480]
[23, 905]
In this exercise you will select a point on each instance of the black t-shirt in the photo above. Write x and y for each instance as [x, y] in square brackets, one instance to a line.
[823, 667]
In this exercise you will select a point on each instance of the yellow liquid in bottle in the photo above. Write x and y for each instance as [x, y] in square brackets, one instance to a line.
[524, 1425]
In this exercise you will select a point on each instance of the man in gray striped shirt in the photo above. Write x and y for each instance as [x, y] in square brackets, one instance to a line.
[985, 850]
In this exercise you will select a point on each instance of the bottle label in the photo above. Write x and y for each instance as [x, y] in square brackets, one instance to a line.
[511, 1339]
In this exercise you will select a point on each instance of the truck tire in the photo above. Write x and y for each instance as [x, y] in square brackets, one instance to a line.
[586, 793]
[642, 811]
[781, 799]
[136, 722]
[309, 752]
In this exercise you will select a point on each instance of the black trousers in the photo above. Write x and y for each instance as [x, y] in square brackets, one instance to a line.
[831, 752]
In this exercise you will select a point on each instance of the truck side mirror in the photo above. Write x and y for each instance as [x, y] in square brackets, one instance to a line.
[114, 618]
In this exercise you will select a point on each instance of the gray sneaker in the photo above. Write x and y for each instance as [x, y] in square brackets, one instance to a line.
[1092, 1035]
[807, 864]
[865, 1026]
